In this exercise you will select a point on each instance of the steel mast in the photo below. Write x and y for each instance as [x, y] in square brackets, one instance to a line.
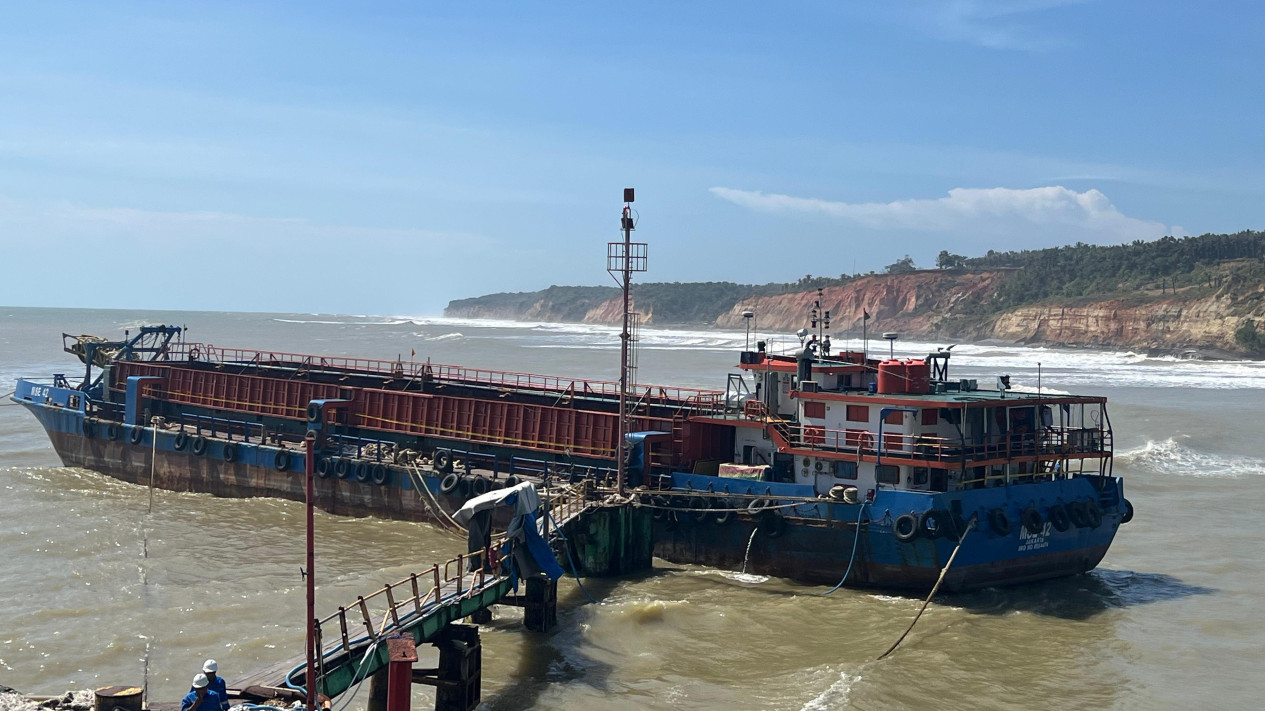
[622, 259]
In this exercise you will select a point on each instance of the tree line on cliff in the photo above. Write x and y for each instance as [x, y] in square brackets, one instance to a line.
[1193, 266]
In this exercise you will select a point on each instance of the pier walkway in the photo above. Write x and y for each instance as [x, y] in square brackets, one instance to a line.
[420, 606]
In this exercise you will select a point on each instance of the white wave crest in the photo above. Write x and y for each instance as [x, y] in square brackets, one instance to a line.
[1172, 457]
[447, 337]
[835, 696]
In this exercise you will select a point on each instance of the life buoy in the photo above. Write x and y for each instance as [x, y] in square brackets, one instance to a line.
[112, 431]
[1128, 512]
[449, 483]
[181, 441]
[324, 467]
[479, 486]
[281, 461]
[342, 467]
[1031, 519]
[362, 471]
[772, 523]
[443, 461]
[230, 451]
[1076, 514]
[136, 435]
[1093, 514]
[1058, 517]
[194, 353]
[936, 523]
[380, 474]
[905, 527]
[199, 445]
[1000, 522]
[88, 429]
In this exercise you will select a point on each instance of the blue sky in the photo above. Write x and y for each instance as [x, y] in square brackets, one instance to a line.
[386, 157]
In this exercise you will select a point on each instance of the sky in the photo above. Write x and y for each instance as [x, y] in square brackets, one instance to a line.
[387, 157]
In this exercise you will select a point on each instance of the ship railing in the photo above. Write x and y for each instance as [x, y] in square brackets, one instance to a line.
[691, 398]
[1051, 441]
[217, 426]
[404, 603]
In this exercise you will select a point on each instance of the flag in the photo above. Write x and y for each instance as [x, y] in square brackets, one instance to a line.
[413, 353]
[867, 315]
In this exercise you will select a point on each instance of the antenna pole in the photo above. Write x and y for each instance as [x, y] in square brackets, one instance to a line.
[309, 460]
[622, 259]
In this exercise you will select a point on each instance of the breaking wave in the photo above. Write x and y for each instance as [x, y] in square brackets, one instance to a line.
[1172, 457]
[835, 696]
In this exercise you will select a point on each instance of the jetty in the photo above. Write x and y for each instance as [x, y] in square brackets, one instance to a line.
[376, 635]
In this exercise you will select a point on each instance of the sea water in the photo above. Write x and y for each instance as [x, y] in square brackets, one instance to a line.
[92, 587]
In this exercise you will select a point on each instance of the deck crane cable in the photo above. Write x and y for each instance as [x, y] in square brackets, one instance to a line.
[969, 526]
[856, 537]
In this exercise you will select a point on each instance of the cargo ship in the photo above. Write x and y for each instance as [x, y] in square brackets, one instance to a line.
[819, 466]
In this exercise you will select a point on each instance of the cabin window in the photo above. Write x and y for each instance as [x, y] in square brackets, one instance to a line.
[920, 476]
[895, 441]
[887, 474]
[858, 413]
[895, 417]
[815, 409]
[930, 416]
[845, 470]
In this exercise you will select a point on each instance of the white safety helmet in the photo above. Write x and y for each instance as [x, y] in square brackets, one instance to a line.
[210, 667]
[200, 681]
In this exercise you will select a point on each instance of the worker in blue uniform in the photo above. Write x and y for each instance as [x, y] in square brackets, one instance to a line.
[216, 683]
[200, 697]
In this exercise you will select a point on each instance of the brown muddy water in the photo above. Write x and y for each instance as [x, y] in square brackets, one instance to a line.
[92, 586]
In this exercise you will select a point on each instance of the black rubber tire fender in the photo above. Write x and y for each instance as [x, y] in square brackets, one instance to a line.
[1032, 520]
[342, 467]
[112, 431]
[905, 527]
[464, 486]
[88, 428]
[136, 435]
[230, 451]
[1127, 516]
[443, 461]
[758, 505]
[281, 461]
[199, 445]
[1058, 517]
[479, 486]
[1076, 514]
[313, 412]
[658, 507]
[699, 508]
[512, 480]
[772, 523]
[181, 441]
[999, 521]
[449, 484]
[936, 523]
[380, 474]
[324, 467]
[362, 472]
[1093, 514]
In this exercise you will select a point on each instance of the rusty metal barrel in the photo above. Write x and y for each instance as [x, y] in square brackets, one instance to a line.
[125, 698]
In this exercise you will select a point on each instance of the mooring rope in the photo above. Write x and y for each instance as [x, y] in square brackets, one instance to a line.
[969, 526]
[574, 571]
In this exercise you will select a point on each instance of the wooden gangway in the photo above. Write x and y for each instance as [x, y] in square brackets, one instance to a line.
[421, 606]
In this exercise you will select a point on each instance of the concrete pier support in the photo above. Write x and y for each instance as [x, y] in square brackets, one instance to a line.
[540, 604]
[460, 674]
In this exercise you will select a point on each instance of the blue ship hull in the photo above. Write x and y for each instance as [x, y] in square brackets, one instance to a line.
[811, 542]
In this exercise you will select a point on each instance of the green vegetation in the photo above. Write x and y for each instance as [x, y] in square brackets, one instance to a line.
[1084, 270]
[1135, 272]
[1247, 336]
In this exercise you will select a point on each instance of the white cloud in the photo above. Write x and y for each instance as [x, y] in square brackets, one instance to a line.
[994, 24]
[1054, 210]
